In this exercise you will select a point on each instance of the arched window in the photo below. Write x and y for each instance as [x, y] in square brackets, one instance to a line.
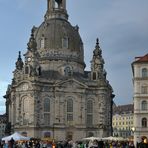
[144, 105]
[144, 72]
[69, 110]
[42, 42]
[46, 111]
[46, 105]
[26, 104]
[26, 108]
[65, 42]
[144, 122]
[89, 113]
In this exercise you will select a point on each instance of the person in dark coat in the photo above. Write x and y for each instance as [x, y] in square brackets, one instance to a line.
[11, 143]
[101, 144]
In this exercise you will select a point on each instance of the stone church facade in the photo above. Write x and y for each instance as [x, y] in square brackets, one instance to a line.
[51, 94]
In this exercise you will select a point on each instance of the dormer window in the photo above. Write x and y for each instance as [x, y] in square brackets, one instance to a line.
[42, 42]
[68, 71]
[65, 42]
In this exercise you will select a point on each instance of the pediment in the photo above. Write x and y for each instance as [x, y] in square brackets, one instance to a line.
[71, 83]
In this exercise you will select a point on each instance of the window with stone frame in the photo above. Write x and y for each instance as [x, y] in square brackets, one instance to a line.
[65, 42]
[46, 105]
[42, 42]
[26, 70]
[26, 109]
[70, 110]
[46, 111]
[144, 73]
[89, 120]
[144, 105]
[68, 71]
[144, 89]
[144, 122]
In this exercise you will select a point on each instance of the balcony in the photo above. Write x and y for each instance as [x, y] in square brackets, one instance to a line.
[140, 95]
[140, 129]
[139, 111]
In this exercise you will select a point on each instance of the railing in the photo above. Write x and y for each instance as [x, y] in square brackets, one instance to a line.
[140, 111]
[140, 129]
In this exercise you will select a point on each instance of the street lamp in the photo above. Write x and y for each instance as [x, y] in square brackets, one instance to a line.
[133, 129]
[53, 131]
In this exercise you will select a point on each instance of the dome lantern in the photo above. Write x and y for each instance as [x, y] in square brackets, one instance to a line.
[56, 9]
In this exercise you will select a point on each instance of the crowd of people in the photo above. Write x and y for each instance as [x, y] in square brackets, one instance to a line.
[70, 144]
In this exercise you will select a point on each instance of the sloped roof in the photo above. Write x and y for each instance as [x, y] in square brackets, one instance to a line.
[123, 109]
[141, 59]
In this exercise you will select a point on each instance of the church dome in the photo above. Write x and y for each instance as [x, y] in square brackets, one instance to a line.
[56, 38]
[58, 34]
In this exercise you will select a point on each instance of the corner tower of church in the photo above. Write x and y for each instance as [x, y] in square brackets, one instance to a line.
[51, 94]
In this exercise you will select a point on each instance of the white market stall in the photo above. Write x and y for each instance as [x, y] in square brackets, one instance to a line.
[91, 138]
[16, 136]
[111, 138]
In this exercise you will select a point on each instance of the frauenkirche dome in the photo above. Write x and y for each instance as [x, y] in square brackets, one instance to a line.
[56, 38]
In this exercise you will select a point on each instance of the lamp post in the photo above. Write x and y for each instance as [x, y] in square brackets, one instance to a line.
[133, 130]
[53, 132]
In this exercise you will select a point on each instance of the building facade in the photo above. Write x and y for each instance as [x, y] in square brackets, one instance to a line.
[123, 120]
[3, 120]
[51, 94]
[140, 85]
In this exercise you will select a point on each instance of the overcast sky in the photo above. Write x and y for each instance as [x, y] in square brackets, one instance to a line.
[120, 25]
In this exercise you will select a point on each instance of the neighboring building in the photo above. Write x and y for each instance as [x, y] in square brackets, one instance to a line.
[140, 85]
[2, 125]
[123, 120]
[51, 94]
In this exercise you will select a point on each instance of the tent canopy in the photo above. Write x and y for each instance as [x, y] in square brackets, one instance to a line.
[16, 136]
[114, 138]
[91, 138]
